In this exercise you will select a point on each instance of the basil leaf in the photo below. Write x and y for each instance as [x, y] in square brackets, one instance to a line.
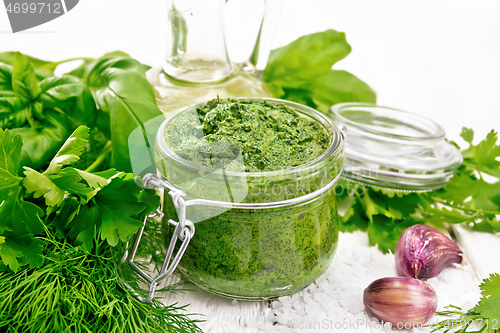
[14, 110]
[84, 69]
[341, 86]
[5, 77]
[72, 97]
[43, 141]
[24, 81]
[306, 58]
[42, 68]
[301, 72]
[121, 90]
[332, 88]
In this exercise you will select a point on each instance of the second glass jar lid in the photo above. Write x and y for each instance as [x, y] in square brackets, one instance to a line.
[394, 149]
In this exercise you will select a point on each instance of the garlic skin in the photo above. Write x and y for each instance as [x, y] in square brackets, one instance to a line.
[400, 301]
[423, 252]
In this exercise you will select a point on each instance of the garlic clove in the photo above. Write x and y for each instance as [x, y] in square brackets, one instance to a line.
[423, 252]
[403, 302]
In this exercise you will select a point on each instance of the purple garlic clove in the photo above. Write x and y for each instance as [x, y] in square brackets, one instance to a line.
[423, 252]
[403, 302]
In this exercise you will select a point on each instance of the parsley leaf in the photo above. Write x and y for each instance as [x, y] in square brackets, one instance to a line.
[14, 211]
[484, 156]
[117, 203]
[383, 214]
[71, 150]
[19, 219]
[10, 156]
[17, 250]
[54, 182]
[489, 305]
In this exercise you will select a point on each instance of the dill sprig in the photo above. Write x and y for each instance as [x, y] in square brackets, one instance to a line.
[79, 291]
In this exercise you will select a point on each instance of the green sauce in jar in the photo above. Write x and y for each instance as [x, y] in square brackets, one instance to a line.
[270, 136]
[269, 151]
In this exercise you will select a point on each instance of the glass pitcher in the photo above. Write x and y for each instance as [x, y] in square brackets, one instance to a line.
[198, 68]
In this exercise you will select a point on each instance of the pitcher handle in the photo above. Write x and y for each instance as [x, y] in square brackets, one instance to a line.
[267, 29]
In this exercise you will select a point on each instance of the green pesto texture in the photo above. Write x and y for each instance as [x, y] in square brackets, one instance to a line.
[261, 253]
[270, 136]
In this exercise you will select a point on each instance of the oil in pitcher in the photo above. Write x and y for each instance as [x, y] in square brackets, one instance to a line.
[197, 67]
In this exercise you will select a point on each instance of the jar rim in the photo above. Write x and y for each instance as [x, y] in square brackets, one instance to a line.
[335, 146]
[394, 149]
[424, 129]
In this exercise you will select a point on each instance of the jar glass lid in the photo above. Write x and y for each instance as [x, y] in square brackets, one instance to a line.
[394, 149]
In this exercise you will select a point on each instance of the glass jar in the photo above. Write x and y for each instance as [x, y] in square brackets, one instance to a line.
[259, 235]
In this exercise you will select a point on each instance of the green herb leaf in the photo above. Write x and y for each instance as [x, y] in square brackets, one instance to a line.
[118, 204]
[84, 69]
[95, 181]
[39, 185]
[42, 142]
[306, 58]
[86, 225]
[467, 134]
[42, 68]
[5, 76]
[338, 87]
[10, 154]
[54, 182]
[384, 214]
[69, 95]
[301, 72]
[486, 312]
[354, 219]
[489, 305]
[14, 111]
[79, 291]
[112, 210]
[15, 213]
[70, 151]
[24, 80]
[19, 215]
[485, 157]
[121, 90]
[43, 114]
[470, 192]
[18, 250]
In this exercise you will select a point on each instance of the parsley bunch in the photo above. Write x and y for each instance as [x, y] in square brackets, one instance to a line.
[78, 204]
[472, 196]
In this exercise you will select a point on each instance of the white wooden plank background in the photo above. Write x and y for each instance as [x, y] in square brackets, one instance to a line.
[456, 285]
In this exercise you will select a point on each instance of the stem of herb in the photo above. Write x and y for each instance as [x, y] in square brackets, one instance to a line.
[102, 156]
[473, 212]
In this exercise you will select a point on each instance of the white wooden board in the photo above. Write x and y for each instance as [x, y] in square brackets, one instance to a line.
[334, 302]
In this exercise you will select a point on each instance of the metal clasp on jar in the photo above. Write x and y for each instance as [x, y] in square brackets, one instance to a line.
[184, 231]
